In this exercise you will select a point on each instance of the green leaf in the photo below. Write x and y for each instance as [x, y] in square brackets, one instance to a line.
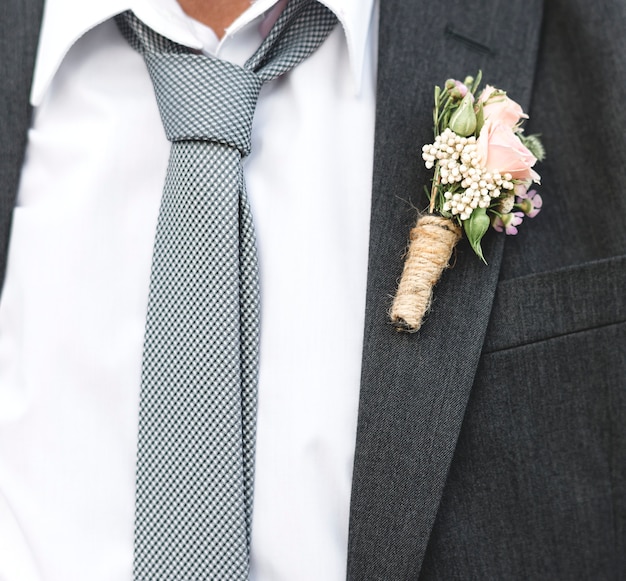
[436, 109]
[445, 120]
[477, 80]
[475, 228]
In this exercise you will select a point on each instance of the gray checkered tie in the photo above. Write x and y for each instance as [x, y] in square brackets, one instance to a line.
[195, 465]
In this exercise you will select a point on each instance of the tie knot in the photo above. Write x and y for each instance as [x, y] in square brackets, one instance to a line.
[204, 99]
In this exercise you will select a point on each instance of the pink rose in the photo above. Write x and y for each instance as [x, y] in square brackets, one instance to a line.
[503, 152]
[499, 108]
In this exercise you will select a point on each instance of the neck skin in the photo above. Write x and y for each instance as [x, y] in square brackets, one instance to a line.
[217, 14]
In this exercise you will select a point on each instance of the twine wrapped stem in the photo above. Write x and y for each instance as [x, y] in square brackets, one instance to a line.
[432, 241]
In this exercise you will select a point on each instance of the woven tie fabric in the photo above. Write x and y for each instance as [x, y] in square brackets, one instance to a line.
[195, 459]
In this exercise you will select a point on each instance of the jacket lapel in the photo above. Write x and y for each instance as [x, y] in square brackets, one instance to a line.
[414, 388]
[19, 32]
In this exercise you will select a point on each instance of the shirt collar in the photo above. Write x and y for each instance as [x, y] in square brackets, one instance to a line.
[60, 31]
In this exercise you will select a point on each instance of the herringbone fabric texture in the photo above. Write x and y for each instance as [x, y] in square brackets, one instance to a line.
[195, 463]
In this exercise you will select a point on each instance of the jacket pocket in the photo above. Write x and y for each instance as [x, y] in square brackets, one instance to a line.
[545, 305]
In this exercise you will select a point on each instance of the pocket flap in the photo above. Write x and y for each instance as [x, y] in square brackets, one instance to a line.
[544, 305]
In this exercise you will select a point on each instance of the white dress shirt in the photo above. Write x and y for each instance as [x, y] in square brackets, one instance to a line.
[73, 309]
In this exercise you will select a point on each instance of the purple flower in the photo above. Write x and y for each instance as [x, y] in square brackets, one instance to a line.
[508, 222]
[530, 203]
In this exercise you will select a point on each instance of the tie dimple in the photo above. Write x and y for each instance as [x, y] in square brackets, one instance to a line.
[221, 113]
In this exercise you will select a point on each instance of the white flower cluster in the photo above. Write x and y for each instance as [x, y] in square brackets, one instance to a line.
[460, 163]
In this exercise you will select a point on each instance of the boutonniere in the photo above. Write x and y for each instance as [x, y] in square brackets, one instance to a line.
[483, 169]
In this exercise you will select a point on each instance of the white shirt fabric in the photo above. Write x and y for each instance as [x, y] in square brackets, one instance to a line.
[73, 309]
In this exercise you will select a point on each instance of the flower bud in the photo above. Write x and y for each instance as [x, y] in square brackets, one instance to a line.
[462, 89]
[450, 84]
[463, 121]
[475, 228]
[521, 189]
[456, 93]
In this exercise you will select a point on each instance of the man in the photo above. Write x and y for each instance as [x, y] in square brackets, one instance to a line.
[489, 445]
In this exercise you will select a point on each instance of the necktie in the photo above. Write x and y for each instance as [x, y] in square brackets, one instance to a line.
[195, 459]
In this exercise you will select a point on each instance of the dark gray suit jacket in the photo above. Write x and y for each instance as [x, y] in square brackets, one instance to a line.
[492, 444]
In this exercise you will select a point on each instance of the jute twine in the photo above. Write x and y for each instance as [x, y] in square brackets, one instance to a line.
[432, 241]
